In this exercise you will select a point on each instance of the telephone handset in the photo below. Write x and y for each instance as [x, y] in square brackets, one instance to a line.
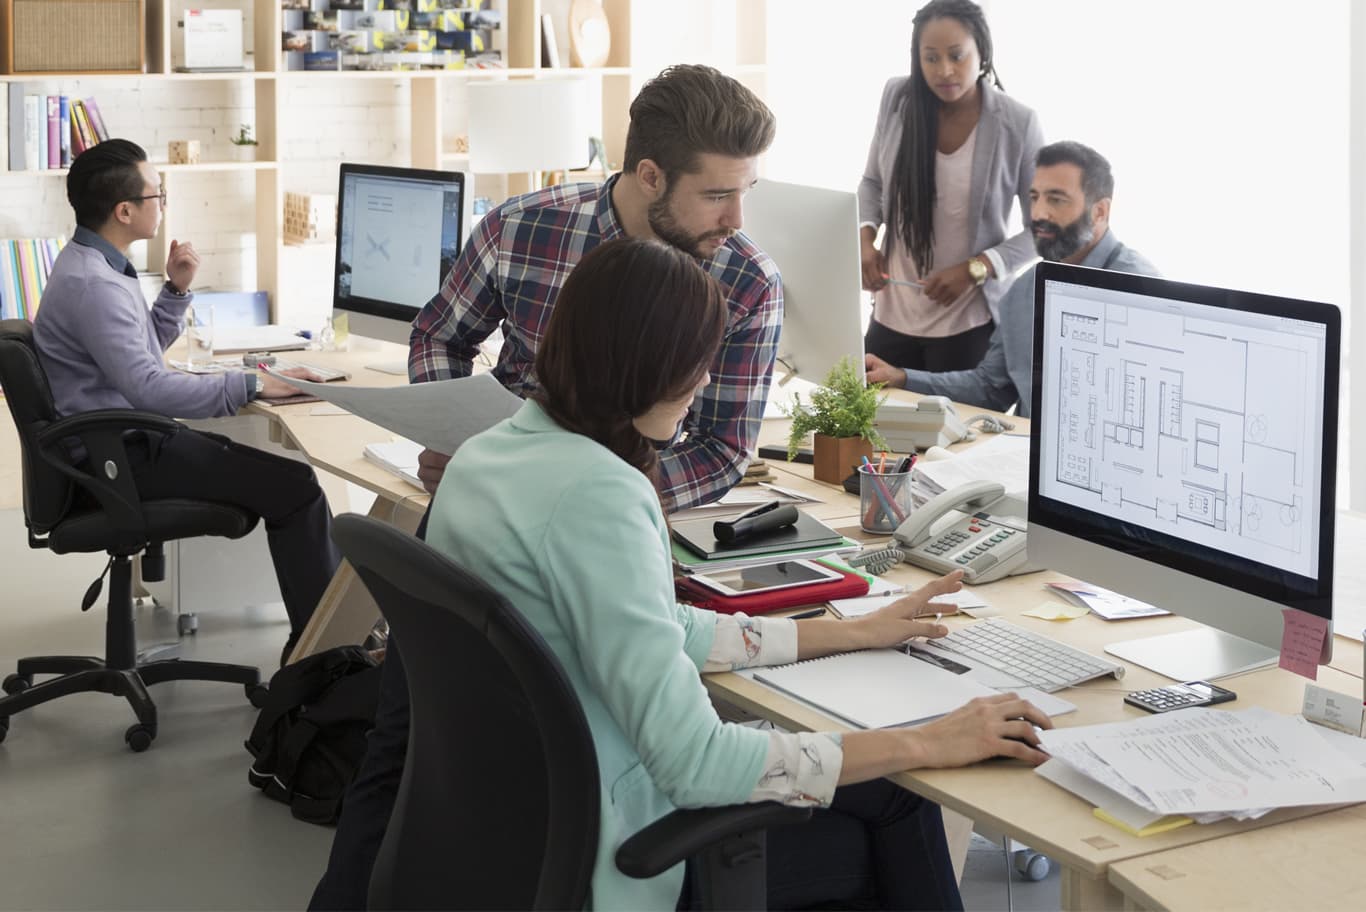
[987, 542]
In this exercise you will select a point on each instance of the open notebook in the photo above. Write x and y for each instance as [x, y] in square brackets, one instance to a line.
[874, 688]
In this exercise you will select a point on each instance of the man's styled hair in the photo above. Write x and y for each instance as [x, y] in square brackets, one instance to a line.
[103, 176]
[653, 320]
[690, 109]
[1097, 183]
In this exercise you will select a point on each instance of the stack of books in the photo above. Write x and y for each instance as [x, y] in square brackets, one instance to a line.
[24, 268]
[47, 132]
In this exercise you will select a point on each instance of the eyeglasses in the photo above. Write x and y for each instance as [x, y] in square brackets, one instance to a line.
[137, 199]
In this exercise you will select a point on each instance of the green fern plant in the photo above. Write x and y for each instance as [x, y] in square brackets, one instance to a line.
[841, 407]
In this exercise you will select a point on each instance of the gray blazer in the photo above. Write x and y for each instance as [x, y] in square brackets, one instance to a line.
[1008, 139]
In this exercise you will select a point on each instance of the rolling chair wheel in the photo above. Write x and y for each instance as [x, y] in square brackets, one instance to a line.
[17, 683]
[1031, 865]
[139, 737]
[186, 624]
[257, 694]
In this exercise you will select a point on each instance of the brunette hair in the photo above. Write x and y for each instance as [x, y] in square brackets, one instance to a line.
[1097, 181]
[691, 109]
[636, 323]
[103, 176]
[913, 185]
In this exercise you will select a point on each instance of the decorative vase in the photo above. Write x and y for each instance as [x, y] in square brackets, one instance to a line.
[834, 458]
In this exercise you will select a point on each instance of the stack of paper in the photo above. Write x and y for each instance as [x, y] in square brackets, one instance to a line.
[1003, 459]
[1204, 764]
[1110, 605]
[398, 456]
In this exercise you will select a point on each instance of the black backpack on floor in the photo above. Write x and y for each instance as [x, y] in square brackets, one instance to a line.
[309, 739]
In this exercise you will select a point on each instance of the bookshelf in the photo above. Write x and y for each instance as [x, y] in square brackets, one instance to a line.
[296, 149]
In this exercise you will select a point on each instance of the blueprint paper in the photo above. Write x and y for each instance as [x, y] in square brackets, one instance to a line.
[440, 415]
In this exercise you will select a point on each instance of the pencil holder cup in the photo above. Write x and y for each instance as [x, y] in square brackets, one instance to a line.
[884, 499]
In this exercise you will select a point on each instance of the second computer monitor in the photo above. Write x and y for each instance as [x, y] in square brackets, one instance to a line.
[399, 230]
[812, 235]
[1183, 452]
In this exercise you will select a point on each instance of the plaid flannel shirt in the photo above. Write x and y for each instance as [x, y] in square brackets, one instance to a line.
[511, 271]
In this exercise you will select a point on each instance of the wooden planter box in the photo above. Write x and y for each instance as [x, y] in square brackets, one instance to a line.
[72, 36]
[834, 458]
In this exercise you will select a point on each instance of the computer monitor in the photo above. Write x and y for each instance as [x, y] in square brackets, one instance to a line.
[813, 236]
[1183, 452]
[399, 231]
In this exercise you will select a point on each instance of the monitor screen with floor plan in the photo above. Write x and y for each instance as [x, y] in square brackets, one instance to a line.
[398, 232]
[1184, 445]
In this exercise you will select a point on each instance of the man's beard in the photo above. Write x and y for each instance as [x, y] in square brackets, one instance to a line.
[1065, 241]
[667, 229]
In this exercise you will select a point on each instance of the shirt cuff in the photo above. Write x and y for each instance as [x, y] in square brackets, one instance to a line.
[741, 641]
[800, 769]
[251, 385]
[873, 225]
[997, 263]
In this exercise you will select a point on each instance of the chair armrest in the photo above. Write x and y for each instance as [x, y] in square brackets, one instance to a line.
[684, 833]
[101, 433]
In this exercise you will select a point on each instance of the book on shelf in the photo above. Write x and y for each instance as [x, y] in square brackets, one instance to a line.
[49, 131]
[54, 131]
[24, 267]
[64, 130]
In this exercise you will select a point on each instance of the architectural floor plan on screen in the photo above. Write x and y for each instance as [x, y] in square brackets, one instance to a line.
[1199, 428]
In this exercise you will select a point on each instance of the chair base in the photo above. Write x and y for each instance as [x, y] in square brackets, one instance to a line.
[84, 674]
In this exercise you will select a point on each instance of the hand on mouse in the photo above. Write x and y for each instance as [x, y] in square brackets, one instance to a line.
[999, 726]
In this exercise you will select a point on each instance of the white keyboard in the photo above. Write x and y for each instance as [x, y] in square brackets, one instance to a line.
[1035, 660]
[326, 373]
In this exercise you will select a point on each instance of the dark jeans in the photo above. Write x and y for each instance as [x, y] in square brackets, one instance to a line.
[282, 491]
[877, 846]
[942, 353]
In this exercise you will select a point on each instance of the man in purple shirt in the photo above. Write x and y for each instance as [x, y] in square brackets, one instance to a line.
[101, 348]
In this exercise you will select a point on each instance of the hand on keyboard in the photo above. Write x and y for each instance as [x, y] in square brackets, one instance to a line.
[273, 387]
[902, 619]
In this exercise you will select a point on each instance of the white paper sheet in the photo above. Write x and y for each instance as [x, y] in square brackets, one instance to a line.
[440, 415]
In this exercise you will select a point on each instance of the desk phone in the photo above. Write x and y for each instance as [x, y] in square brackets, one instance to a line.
[974, 528]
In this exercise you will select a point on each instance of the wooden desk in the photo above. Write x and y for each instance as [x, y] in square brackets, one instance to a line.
[336, 443]
[1313, 863]
[1007, 797]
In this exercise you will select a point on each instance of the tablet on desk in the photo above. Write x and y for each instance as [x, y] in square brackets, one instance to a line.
[766, 577]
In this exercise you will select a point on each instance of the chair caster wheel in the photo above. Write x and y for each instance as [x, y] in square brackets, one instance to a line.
[139, 737]
[257, 694]
[186, 624]
[1031, 865]
[16, 683]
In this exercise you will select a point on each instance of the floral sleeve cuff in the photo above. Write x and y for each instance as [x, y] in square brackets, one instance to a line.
[743, 642]
[800, 769]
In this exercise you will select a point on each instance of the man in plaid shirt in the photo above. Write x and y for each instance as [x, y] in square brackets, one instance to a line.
[691, 153]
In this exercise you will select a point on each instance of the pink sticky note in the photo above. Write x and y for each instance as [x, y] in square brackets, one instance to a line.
[1302, 642]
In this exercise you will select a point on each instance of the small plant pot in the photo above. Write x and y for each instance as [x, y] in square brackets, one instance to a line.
[834, 458]
[244, 153]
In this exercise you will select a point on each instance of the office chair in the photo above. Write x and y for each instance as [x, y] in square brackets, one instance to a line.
[76, 509]
[499, 802]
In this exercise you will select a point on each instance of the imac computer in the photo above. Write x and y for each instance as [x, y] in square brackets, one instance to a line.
[1183, 452]
[399, 231]
[812, 235]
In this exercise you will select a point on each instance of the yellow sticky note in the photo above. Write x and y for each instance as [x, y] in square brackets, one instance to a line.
[1056, 611]
[1170, 822]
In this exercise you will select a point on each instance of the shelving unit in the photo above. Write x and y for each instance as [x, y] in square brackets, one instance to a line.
[647, 35]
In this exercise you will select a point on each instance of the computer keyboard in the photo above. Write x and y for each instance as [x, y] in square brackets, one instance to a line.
[326, 373]
[1035, 660]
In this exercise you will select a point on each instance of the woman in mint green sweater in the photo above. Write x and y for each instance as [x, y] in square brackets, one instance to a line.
[556, 508]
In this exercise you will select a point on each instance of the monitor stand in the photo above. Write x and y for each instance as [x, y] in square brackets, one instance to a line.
[1195, 655]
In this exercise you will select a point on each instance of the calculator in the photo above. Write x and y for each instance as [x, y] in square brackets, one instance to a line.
[1179, 696]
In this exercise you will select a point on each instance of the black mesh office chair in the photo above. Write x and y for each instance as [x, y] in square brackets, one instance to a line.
[70, 509]
[498, 806]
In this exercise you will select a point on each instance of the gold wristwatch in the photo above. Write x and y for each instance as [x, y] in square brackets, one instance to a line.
[977, 269]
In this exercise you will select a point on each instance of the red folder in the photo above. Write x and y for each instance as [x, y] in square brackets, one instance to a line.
[849, 585]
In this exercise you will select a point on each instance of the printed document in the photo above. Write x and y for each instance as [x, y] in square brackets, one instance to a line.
[440, 415]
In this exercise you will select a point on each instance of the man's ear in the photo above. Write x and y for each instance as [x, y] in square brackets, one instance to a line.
[1100, 211]
[123, 213]
[651, 179]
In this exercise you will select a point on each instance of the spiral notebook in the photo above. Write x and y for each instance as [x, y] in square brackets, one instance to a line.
[874, 688]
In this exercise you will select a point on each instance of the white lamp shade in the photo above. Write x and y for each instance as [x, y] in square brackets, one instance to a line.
[532, 124]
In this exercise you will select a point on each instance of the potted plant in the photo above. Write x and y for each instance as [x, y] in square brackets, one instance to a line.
[244, 143]
[841, 414]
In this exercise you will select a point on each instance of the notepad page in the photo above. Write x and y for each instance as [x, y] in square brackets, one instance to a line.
[874, 688]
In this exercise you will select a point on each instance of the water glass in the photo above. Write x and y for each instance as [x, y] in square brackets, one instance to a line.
[199, 335]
